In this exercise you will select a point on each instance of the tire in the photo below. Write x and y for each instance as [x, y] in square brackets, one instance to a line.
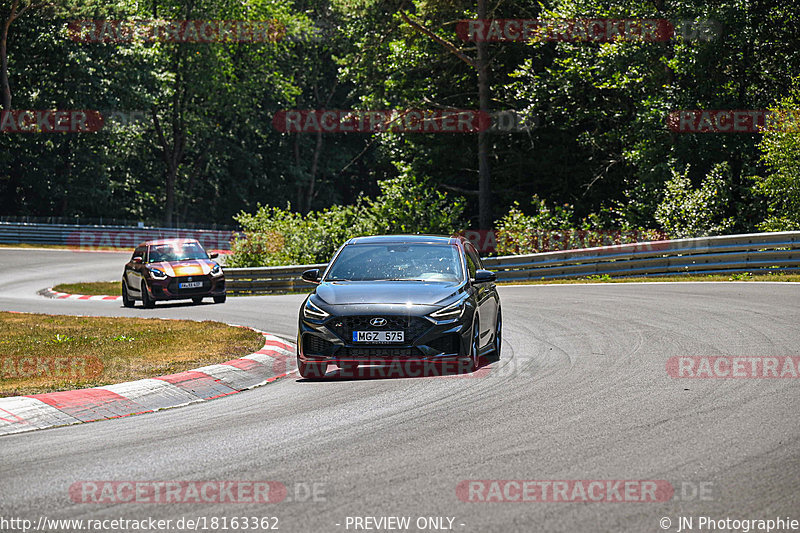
[312, 370]
[498, 335]
[147, 301]
[197, 299]
[220, 299]
[471, 364]
[127, 301]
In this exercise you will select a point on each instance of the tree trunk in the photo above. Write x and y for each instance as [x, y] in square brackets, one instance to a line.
[197, 167]
[172, 156]
[169, 208]
[484, 175]
[314, 165]
[299, 190]
[5, 87]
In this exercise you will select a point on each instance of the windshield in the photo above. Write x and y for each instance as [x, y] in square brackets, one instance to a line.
[397, 262]
[176, 252]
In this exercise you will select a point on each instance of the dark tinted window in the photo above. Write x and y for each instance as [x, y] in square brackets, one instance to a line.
[138, 252]
[176, 252]
[471, 265]
[472, 253]
[371, 262]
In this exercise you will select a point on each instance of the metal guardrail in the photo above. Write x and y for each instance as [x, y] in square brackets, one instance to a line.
[106, 221]
[729, 254]
[84, 237]
[266, 280]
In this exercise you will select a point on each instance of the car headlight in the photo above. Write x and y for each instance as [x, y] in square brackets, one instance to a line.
[451, 311]
[312, 311]
[216, 271]
[157, 274]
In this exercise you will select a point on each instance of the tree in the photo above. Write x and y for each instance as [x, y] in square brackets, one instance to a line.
[15, 11]
[780, 152]
[481, 65]
[696, 212]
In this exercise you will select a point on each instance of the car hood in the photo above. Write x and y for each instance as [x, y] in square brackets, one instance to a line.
[386, 292]
[192, 267]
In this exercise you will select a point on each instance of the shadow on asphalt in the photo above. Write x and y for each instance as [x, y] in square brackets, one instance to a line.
[170, 305]
[406, 370]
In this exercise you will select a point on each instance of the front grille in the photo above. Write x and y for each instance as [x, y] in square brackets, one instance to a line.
[446, 343]
[413, 326]
[173, 285]
[313, 345]
[369, 352]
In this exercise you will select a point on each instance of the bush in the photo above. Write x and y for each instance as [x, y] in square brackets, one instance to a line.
[409, 205]
[780, 149]
[273, 236]
[555, 228]
[689, 212]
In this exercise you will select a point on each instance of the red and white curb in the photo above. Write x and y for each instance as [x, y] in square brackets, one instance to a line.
[27, 413]
[50, 293]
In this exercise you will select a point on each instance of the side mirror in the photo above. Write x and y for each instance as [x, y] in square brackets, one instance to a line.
[484, 276]
[311, 276]
[213, 255]
[137, 260]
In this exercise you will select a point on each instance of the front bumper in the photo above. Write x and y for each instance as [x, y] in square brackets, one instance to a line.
[168, 289]
[330, 340]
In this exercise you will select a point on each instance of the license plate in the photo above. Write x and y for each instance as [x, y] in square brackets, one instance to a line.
[378, 336]
[190, 285]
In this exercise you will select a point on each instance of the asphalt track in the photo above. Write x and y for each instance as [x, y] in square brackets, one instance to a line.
[581, 393]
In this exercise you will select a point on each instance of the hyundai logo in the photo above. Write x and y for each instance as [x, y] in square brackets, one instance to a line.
[378, 322]
[190, 278]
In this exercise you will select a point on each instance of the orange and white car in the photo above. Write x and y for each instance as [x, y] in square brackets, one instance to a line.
[172, 269]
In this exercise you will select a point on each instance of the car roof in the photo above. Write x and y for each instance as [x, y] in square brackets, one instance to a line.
[405, 239]
[167, 241]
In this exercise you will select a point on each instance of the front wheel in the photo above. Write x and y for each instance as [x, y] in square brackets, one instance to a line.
[147, 300]
[220, 299]
[498, 335]
[311, 370]
[127, 301]
[471, 364]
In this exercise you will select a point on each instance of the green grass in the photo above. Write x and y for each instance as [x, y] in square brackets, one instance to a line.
[92, 288]
[46, 353]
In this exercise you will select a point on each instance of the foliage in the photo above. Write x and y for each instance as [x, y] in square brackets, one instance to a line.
[696, 212]
[556, 228]
[411, 205]
[780, 149]
[602, 145]
[275, 236]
